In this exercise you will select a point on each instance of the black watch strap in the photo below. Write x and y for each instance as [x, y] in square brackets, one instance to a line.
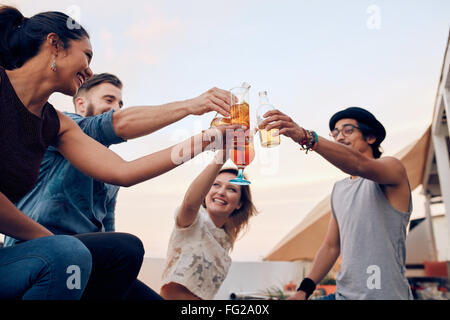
[307, 286]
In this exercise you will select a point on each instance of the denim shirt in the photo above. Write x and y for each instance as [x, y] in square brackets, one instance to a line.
[65, 200]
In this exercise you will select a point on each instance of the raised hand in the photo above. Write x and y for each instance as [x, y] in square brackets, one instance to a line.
[275, 119]
[223, 137]
[214, 99]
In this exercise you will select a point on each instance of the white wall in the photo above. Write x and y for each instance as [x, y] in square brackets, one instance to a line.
[246, 277]
[257, 277]
[441, 234]
[418, 241]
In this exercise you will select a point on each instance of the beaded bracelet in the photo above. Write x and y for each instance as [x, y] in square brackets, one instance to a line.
[316, 141]
[304, 141]
[310, 141]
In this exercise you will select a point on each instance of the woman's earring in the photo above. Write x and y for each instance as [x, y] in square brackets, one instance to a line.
[53, 66]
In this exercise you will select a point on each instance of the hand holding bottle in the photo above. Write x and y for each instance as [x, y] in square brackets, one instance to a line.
[269, 138]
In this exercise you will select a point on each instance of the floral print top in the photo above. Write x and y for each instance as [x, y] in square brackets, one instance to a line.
[198, 256]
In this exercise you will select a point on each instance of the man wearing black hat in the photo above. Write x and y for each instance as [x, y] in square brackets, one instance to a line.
[371, 208]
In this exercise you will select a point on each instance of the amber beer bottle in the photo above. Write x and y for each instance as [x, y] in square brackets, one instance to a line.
[266, 137]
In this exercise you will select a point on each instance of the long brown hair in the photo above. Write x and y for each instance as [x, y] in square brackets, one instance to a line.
[237, 222]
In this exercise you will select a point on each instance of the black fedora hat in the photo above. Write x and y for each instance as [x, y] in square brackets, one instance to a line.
[361, 115]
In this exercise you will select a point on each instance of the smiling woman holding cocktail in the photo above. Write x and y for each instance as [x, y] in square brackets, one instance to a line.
[208, 222]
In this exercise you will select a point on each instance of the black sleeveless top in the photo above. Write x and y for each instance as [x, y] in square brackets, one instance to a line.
[24, 138]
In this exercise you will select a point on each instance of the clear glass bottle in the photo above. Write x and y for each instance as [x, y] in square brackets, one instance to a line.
[266, 137]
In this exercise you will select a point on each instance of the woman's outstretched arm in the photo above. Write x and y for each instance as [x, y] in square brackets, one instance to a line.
[198, 190]
[102, 164]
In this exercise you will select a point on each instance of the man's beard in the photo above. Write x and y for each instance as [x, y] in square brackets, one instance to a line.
[89, 110]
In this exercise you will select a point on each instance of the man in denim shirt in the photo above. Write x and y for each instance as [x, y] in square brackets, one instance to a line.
[65, 200]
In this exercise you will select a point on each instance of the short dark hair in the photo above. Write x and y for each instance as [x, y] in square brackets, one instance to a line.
[96, 80]
[21, 38]
[367, 132]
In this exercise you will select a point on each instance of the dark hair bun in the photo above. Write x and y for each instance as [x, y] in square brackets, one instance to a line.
[22, 38]
[10, 20]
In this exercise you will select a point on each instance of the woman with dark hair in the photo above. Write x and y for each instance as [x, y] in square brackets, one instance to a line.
[35, 269]
[39, 56]
[212, 215]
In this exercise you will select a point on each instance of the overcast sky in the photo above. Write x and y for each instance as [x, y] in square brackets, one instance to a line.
[313, 57]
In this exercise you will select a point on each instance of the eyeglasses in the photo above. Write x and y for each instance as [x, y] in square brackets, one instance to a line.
[346, 130]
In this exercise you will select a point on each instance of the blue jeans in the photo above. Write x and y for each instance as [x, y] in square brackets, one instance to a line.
[49, 268]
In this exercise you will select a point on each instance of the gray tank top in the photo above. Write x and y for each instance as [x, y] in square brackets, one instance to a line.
[372, 241]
